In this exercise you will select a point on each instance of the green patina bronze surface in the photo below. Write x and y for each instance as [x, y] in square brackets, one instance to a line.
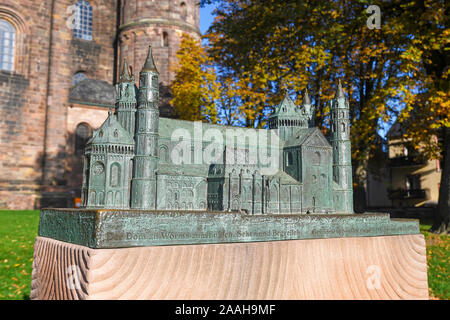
[134, 228]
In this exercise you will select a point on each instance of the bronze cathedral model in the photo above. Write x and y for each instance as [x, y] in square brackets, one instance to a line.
[128, 162]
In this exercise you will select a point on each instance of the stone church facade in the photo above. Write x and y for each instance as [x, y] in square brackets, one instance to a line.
[59, 60]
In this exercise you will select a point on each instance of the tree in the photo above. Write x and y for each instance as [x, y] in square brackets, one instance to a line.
[298, 44]
[427, 110]
[294, 45]
[194, 89]
[200, 94]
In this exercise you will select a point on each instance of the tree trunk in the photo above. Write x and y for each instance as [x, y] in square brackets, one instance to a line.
[360, 186]
[442, 214]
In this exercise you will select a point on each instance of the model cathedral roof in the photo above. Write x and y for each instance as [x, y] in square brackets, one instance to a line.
[111, 132]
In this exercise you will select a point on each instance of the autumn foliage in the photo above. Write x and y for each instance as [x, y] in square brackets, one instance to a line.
[194, 88]
[261, 48]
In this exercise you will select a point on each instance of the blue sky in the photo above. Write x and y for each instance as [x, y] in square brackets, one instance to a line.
[206, 17]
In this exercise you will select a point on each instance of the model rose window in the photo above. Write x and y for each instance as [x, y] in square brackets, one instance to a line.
[83, 20]
[7, 41]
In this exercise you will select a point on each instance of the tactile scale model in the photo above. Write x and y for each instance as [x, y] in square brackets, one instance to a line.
[129, 162]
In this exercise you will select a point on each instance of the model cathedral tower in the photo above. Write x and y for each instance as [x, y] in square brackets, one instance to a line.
[121, 156]
[342, 162]
[143, 186]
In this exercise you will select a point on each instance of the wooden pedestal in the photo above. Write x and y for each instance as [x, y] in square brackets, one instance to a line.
[384, 267]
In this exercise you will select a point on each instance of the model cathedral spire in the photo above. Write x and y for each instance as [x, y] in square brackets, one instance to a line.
[126, 162]
[126, 99]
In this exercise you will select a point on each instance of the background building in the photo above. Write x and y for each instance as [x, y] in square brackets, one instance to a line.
[59, 60]
[414, 179]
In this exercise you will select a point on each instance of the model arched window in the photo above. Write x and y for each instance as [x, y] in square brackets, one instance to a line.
[274, 193]
[163, 154]
[165, 39]
[115, 175]
[83, 20]
[316, 158]
[79, 76]
[82, 135]
[7, 44]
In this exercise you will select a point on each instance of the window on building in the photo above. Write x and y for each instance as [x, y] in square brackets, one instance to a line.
[115, 175]
[163, 154]
[79, 76]
[183, 10]
[165, 39]
[289, 159]
[316, 158]
[405, 151]
[83, 20]
[82, 135]
[7, 43]
[413, 182]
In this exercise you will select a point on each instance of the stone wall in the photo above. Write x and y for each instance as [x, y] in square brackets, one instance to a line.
[160, 24]
[34, 97]
[22, 103]
[36, 118]
[91, 116]
[69, 55]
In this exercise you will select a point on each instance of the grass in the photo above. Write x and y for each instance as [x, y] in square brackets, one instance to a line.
[438, 253]
[18, 230]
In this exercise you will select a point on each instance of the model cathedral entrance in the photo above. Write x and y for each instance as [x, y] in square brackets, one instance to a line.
[128, 163]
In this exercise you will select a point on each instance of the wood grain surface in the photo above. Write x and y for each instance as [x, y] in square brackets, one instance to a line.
[388, 267]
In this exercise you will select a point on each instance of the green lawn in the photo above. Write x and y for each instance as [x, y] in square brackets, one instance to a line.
[438, 249]
[18, 230]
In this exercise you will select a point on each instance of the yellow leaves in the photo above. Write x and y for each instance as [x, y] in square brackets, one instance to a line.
[268, 54]
[413, 53]
[194, 89]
